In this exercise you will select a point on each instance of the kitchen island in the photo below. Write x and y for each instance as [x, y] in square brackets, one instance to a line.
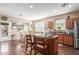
[52, 42]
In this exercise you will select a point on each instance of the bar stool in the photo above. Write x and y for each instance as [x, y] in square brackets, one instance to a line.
[23, 43]
[40, 45]
[29, 44]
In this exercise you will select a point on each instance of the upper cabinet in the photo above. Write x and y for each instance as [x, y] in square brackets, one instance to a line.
[50, 25]
[69, 23]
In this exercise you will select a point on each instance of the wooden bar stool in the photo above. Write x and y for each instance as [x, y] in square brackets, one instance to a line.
[23, 43]
[29, 44]
[40, 45]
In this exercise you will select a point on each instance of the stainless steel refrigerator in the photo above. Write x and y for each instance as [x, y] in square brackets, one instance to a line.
[76, 34]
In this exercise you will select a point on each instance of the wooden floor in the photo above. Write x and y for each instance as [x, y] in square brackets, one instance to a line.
[13, 47]
[67, 50]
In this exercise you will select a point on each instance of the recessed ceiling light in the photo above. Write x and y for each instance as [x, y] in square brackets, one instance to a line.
[31, 6]
[55, 10]
[69, 5]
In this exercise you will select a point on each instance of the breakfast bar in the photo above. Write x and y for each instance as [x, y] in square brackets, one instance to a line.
[52, 44]
[45, 45]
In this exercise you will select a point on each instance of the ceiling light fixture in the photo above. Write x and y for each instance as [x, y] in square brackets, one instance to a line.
[55, 10]
[31, 6]
[66, 5]
[69, 5]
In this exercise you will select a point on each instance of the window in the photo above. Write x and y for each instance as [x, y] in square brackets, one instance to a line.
[60, 24]
[30, 27]
[26, 27]
[40, 27]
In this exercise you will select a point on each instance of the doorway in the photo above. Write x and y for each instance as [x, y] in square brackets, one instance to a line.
[4, 31]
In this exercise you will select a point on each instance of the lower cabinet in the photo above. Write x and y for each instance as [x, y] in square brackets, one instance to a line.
[66, 39]
[60, 38]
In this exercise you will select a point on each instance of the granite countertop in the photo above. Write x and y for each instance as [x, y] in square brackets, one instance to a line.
[65, 33]
[49, 37]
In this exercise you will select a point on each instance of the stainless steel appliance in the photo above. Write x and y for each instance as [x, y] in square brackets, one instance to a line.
[76, 34]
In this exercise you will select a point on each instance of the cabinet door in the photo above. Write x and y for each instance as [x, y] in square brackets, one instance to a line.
[53, 48]
[69, 24]
[60, 38]
[68, 39]
[50, 24]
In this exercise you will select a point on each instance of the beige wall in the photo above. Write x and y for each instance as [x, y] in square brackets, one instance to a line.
[62, 16]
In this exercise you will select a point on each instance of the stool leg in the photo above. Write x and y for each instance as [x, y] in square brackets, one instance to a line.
[31, 50]
[35, 52]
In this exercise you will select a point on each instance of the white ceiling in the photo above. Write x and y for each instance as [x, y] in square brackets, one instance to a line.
[40, 10]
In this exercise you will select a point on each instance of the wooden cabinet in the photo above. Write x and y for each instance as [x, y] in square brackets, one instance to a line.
[68, 40]
[69, 24]
[53, 46]
[60, 38]
[50, 24]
